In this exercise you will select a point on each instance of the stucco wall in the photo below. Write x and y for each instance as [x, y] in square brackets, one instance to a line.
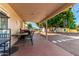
[14, 22]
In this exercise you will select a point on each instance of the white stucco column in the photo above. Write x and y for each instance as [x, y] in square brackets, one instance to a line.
[46, 30]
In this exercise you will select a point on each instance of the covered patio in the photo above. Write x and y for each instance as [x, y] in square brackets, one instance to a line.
[19, 13]
[41, 47]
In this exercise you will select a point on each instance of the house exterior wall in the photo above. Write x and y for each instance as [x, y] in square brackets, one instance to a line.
[14, 22]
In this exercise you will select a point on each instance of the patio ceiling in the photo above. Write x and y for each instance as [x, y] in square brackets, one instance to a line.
[37, 12]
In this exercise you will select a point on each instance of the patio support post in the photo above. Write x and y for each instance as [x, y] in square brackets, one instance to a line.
[46, 30]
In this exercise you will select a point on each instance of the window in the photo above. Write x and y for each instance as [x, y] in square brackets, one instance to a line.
[3, 21]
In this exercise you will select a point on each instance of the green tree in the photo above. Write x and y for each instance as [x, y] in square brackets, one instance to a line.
[29, 26]
[63, 19]
[70, 19]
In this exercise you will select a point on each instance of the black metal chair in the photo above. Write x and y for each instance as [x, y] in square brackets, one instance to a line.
[30, 36]
[5, 45]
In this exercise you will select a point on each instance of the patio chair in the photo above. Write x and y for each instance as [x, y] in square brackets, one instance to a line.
[29, 36]
[5, 36]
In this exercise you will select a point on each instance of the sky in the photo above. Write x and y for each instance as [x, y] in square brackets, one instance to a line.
[75, 10]
[34, 25]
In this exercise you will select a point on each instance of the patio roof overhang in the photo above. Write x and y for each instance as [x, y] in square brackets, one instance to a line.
[59, 10]
[38, 12]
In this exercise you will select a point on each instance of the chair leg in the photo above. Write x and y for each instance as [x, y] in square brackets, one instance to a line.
[31, 41]
[9, 47]
[4, 49]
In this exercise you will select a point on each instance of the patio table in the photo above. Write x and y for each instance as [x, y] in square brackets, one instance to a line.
[19, 34]
[23, 36]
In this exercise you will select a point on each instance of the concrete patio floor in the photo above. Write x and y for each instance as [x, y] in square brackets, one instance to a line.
[41, 47]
